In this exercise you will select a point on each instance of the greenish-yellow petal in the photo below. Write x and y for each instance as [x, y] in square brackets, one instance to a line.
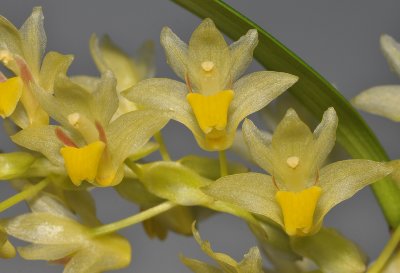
[209, 59]
[47, 252]
[108, 56]
[341, 180]
[380, 100]
[53, 64]
[33, 40]
[253, 192]
[176, 51]
[242, 53]
[254, 91]
[41, 139]
[391, 50]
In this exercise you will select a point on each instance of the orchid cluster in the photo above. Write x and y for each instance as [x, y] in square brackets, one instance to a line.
[78, 133]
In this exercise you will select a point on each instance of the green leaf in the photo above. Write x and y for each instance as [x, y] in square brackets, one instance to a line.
[312, 90]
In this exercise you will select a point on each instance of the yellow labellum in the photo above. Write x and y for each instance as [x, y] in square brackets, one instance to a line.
[211, 111]
[10, 93]
[298, 209]
[82, 163]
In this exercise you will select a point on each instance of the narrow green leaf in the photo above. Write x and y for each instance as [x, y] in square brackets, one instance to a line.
[312, 90]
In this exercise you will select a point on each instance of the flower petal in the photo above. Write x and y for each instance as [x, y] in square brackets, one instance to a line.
[46, 228]
[126, 135]
[33, 40]
[391, 50]
[380, 100]
[10, 38]
[258, 145]
[53, 64]
[324, 136]
[168, 95]
[109, 56]
[41, 139]
[255, 91]
[199, 266]
[176, 51]
[252, 262]
[13, 165]
[207, 46]
[253, 192]
[341, 180]
[242, 53]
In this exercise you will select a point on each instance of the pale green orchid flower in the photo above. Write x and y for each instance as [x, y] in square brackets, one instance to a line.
[55, 236]
[213, 101]
[251, 263]
[89, 144]
[298, 193]
[383, 100]
[21, 51]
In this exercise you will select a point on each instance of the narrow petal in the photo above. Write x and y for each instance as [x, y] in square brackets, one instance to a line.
[325, 136]
[167, 95]
[242, 53]
[10, 93]
[252, 262]
[53, 64]
[10, 38]
[46, 228]
[255, 91]
[391, 50]
[341, 180]
[380, 100]
[207, 46]
[145, 60]
[82, 163]
[251, 191]
[109, 56]
[129, 133]
[33, 40]
[176, 52]
[41, 139]
[104, 101]
[258, 145]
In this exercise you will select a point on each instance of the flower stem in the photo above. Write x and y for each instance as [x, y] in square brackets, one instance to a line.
[132, 220]
[163, 149]
[27, 193]
[223, 164]
[387, 252]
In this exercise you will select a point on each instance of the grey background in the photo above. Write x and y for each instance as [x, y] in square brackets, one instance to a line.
[338, 38]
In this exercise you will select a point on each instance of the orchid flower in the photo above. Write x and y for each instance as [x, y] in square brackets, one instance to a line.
[298, 193]
[213, 101]
[57, 237]
[384, 100]
[21, 51]
[88, 143]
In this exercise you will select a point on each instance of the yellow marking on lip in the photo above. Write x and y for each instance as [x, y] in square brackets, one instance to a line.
[211, 111]
[10, 93]
[298, 209]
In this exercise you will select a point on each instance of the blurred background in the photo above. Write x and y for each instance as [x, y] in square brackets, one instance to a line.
[340, 39]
